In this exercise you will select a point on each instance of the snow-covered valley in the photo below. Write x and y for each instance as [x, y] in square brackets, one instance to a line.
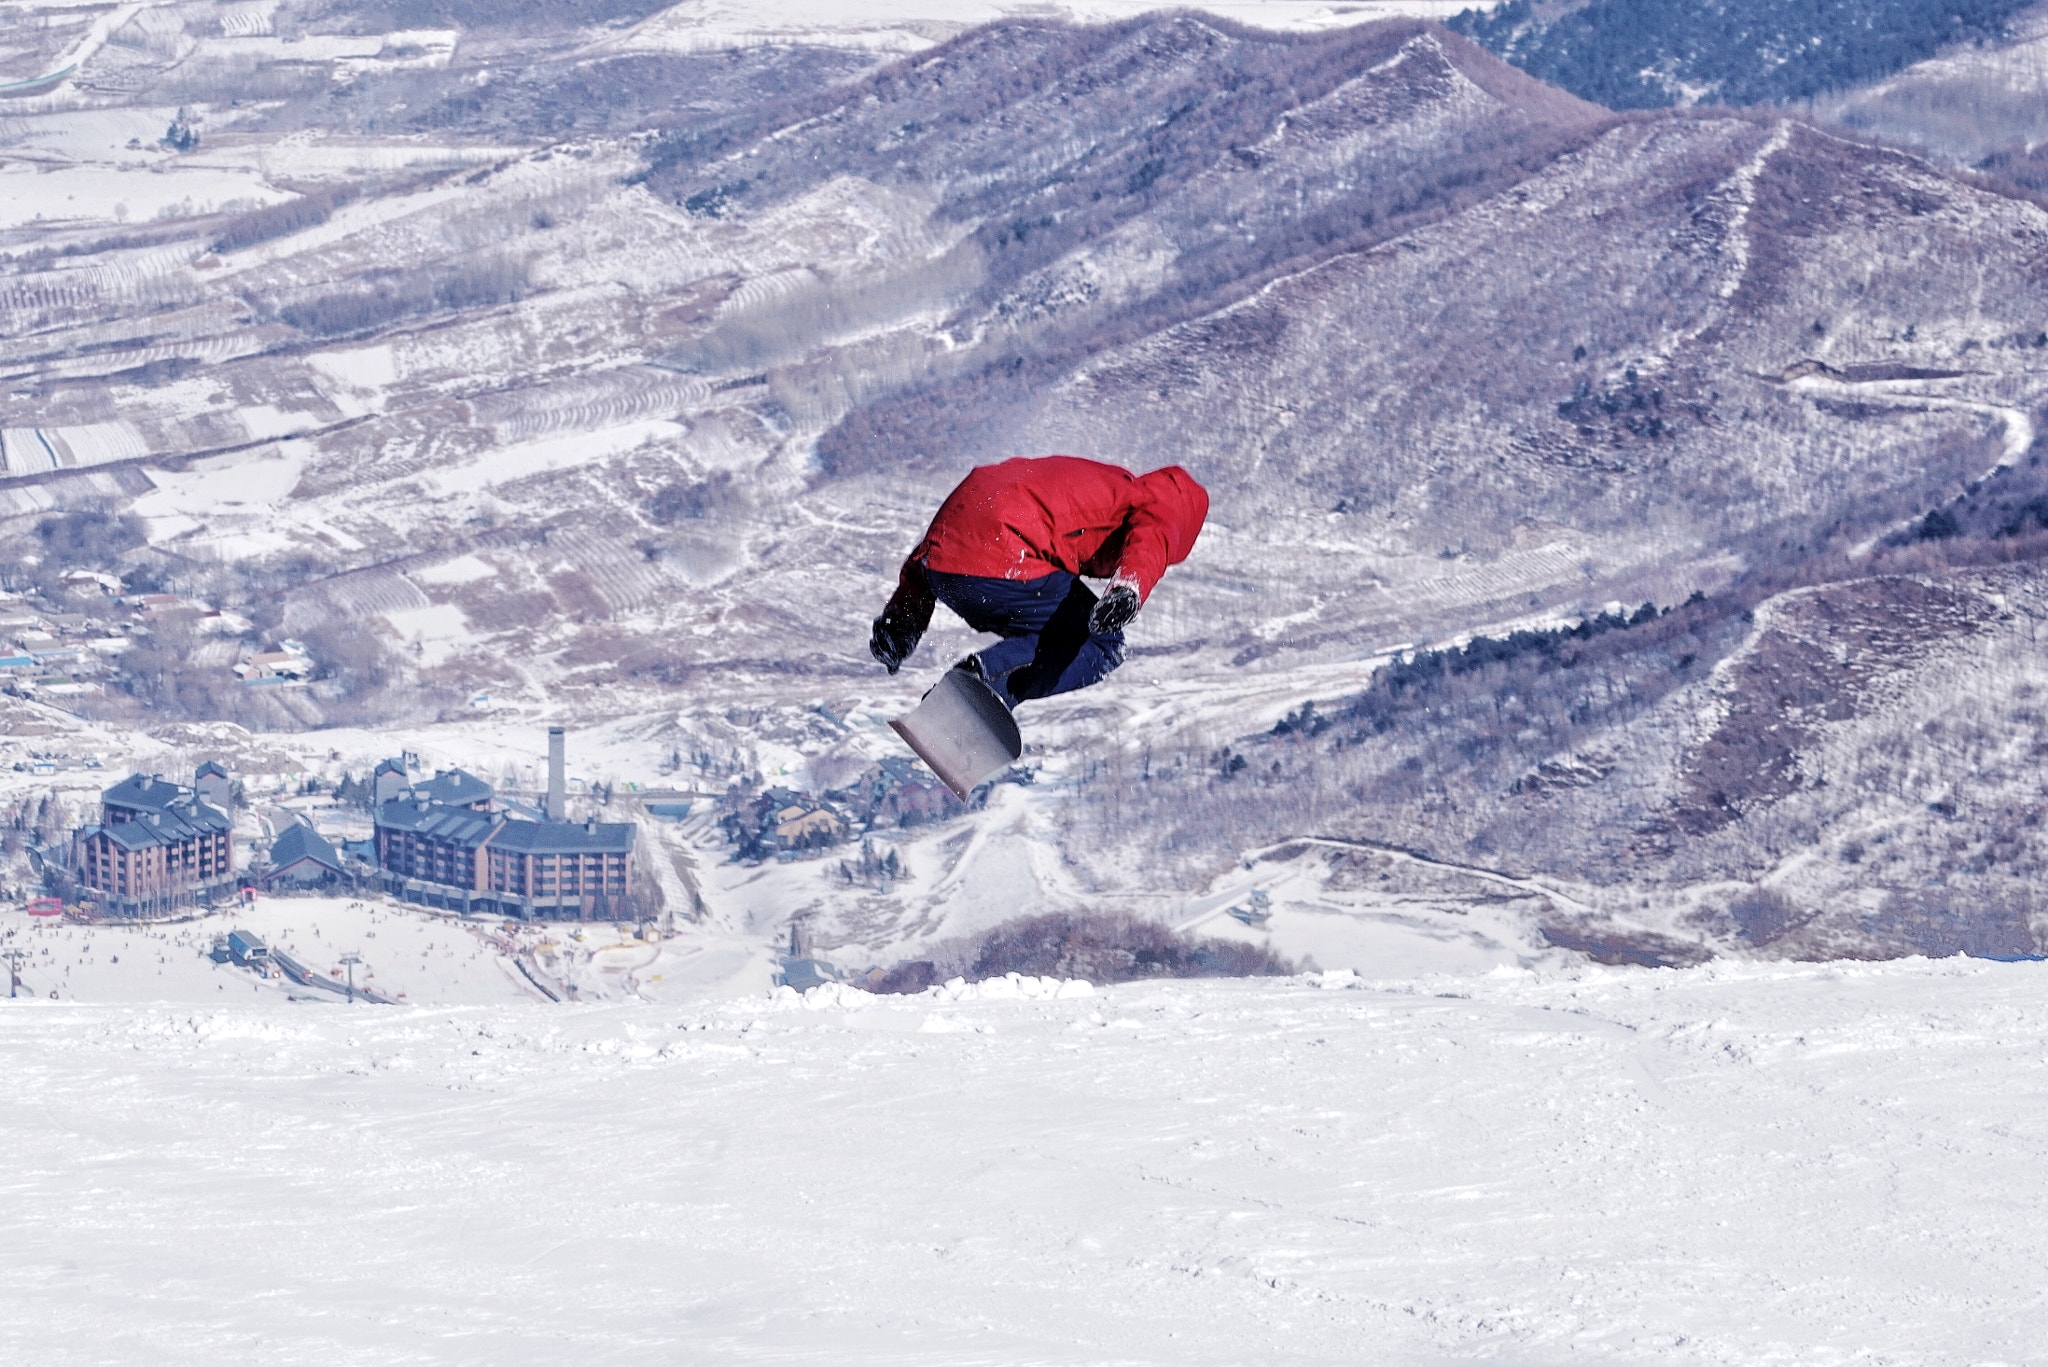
[1820, 1164]
[529, 366]
[1605, 699]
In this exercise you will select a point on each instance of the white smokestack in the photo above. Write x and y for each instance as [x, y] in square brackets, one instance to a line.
[557, 784]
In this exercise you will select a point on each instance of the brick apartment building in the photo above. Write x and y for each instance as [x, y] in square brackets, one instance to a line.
[156, 850]
[446, 842]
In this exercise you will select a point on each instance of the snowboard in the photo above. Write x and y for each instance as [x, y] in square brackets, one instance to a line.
[963, 731]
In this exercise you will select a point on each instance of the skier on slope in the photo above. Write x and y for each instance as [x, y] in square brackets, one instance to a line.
[1006, 551]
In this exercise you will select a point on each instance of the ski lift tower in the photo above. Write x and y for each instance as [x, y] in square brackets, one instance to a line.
[14, 957]
[349, 961]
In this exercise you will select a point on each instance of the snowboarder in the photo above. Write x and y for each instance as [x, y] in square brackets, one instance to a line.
[1007, 550]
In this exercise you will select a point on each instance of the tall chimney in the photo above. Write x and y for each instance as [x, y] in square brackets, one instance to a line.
[557, 784]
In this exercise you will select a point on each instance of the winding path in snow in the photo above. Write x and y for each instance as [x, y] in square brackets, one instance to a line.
[2019, 429]
[1215, 903]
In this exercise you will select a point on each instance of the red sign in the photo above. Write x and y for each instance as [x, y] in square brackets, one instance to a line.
[46, 906]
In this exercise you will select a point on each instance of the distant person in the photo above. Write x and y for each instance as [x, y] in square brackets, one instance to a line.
[1007, 550]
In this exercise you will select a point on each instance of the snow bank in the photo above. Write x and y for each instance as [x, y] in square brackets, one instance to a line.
[826, 997]
[1009, 987]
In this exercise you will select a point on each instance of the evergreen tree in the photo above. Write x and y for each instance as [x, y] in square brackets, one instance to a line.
[1639, 54]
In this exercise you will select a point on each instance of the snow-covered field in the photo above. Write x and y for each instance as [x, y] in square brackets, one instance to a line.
[1760, 1164]
[407, 954]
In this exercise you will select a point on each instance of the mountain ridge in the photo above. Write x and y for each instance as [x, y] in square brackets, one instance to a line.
[585, 427]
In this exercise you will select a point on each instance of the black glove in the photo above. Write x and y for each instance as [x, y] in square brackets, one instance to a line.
[1113, 611]
[895, 636]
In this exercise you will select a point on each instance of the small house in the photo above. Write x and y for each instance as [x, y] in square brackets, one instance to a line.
[900, 792]
[799, 827]
[301, 857]
[275, 664]
[782, 821]
[108, 584]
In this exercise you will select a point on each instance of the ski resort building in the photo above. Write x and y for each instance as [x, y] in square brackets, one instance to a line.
[457, 788]
[448, 842]
[390, 779]
[301, 857]
[157, 849]
[781, 822]
[215, 786]
[898, 791]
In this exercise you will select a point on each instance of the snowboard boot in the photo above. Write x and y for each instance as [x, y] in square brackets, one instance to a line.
[971, 665]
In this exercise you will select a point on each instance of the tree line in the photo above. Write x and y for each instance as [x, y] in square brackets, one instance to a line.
[1645, 54]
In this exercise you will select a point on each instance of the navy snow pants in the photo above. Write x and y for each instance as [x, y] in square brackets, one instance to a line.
[1046, 646]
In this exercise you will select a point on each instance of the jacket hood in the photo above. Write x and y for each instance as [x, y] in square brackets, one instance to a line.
[1181, 504]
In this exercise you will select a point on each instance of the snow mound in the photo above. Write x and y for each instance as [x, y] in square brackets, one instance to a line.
[824, 997]
[1009, 987]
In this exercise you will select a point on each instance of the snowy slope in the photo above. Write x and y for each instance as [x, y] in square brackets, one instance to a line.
[913, 25]
[1971, 103]
[1834, 1164]
[519, 417]
[406, 955]
[420, 957]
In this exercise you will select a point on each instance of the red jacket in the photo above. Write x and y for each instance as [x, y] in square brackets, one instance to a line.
[1026, 517]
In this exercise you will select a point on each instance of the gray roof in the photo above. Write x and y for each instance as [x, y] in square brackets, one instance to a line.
[114, 833]
[436, 819]
[212, 768]
[567, 837]
[150, 831]
[461, 826]
[145, 793]
[163, 812]
[455, 787]
[300, 842]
